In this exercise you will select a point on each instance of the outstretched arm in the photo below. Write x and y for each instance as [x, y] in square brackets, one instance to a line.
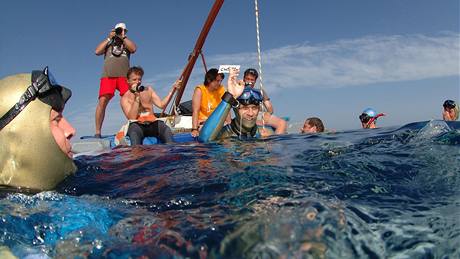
[267, 103]
[162, 103]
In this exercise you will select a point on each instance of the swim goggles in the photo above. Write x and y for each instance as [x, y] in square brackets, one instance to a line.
[250, 96]
[449, 104]
[43, 86]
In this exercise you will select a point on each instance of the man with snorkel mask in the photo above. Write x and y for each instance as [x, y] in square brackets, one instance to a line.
[35, 150]
[369, 118]
[245, 102]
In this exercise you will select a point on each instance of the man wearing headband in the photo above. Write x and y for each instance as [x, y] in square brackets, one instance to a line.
[250, 77]
[369, 118]
[246, 105]
[35, 152]
[450, 111]
[117, 49]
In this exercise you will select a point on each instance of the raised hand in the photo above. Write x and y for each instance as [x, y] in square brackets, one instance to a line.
[235, 86]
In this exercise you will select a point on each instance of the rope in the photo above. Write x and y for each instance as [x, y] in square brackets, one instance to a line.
[259, 59]
[204, 62]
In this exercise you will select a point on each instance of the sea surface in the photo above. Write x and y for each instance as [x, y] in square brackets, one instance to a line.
[384, 193]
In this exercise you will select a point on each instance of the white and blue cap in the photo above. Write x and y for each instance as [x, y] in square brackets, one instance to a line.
[370, 112]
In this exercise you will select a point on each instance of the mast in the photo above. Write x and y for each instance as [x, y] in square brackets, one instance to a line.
[196, 51]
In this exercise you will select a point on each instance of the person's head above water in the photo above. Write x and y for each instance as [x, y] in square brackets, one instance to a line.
[248, 107]
[369, 117]
[450, 111]
[312, 125]
[35, 151]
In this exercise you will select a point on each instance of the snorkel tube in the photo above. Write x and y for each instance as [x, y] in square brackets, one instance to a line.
[371, 120]
[215, 122]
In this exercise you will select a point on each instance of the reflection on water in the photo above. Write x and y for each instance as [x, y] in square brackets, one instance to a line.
[391, 192]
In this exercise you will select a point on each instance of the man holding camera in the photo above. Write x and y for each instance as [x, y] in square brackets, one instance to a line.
[137, 105]
[117, 49]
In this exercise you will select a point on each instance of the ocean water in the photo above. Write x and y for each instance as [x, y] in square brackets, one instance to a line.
[385, 193]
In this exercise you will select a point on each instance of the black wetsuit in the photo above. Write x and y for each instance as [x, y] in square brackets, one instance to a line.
[233, 129]
[138, 131]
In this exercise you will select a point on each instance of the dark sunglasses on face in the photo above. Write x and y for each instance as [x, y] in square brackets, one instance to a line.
[449, 104]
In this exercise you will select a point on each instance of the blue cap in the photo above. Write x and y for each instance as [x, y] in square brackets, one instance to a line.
[370, 112]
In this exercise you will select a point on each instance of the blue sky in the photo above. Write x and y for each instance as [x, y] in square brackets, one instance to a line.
[328, 58]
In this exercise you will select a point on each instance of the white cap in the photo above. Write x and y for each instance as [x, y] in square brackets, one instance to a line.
[121, 25]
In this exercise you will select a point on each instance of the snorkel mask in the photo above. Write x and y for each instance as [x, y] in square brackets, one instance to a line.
[29, 154]
[250, 96]
[43, 86]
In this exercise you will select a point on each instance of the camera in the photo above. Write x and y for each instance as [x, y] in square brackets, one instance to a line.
[140, 88]
[118, 31]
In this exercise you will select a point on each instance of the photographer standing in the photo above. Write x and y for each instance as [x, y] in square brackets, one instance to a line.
[117, 49]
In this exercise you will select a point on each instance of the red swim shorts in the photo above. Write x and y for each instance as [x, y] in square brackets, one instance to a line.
[109, 84]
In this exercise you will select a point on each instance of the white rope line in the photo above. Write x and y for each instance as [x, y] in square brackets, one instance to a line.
[259, 57]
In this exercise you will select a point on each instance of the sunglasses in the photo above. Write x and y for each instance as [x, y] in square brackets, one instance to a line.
[449, 104]
[44, 86]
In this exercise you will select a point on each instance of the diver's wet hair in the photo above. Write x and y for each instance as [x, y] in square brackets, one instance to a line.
[315, 122]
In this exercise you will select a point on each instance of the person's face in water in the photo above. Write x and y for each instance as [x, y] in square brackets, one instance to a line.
[62, 132]
[308, 129]
[249, 114]
[250, 79]
[134, 80]
[448, 114]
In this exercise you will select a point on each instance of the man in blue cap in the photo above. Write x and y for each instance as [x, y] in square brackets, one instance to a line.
[369, 117]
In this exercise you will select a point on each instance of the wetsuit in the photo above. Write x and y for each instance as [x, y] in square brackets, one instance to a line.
[213, 128]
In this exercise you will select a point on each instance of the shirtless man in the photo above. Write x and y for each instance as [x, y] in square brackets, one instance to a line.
[137, 105]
